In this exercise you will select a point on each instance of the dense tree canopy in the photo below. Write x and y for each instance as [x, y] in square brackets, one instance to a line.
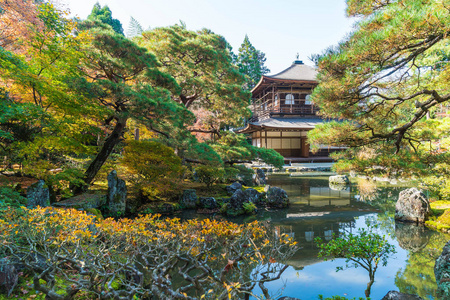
[211, 86]
[104, 15]
[251, 63]
[387, 79]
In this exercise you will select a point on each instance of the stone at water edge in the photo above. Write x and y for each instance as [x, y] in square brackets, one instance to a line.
[189, 198]
[232, 188]
[9, 277]
[339, 179]
[277, 197]
[394, 295]
[260, 177]
[208, 202]
[412, 206]
[38, 195]
[253, 195]
[117, 194]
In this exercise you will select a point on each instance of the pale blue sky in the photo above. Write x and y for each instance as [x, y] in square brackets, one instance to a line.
[278, 28]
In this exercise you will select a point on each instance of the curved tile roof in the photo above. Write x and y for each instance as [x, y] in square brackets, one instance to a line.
[297, 71]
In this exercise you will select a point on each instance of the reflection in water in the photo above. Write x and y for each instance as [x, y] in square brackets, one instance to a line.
[318, 211]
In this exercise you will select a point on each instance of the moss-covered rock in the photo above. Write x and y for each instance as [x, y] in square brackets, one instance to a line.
[96, 212]
[83, 201]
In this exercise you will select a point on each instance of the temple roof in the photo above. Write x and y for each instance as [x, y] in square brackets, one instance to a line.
[283, 123]
[296, 73]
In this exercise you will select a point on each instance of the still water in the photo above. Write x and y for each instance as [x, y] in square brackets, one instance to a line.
[317, 210]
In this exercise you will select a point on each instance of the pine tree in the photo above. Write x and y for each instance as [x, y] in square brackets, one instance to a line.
[251, 63]
[104, 15]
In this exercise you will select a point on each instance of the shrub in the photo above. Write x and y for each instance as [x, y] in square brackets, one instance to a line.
[153, 168]
[209, 175]
[249, 207]
[10, 198]
[145, 257]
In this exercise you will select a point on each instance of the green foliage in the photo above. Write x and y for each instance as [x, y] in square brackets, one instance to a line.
[249, 208]
[152, 167]
[234, 148]
[251, 63]
[387, 80]
[209, 174]
[10, 198]
[230, 174]
[211, 86]
[338, 298]
[104, 15]
[365, 249]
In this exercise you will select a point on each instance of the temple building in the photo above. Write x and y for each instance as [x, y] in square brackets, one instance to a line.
[283, 114]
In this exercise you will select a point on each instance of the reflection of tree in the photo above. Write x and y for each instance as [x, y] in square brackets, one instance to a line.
[367, 189]
[418, 276]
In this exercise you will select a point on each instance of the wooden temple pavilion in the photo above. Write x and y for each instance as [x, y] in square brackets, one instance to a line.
[283, 114]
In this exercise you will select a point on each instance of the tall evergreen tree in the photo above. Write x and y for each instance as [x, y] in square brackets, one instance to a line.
[104, 15]
[251, 63]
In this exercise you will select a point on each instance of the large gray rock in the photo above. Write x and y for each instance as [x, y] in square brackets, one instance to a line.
[9, 277]
[394, 295]
[38, 195]
[253, 195]
[277, 197]
[235, 205]
[208, 202]
[339, 179]
[260, 177]
[83, 201]
[189, 198]
[442, 272]
[117, 194]
[232, 188]
[412, 206]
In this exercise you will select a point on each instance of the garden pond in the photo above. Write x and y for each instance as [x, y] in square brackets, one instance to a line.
[316, 210]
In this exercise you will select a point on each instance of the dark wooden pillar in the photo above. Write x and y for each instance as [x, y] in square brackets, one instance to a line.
[304, 146]
[265, 137]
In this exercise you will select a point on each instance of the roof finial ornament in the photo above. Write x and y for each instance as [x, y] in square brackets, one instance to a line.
[298, 55]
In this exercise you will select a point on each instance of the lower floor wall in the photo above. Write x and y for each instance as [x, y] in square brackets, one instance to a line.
[289, 144]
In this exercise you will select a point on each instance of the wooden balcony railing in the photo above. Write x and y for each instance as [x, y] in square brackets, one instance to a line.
[261, 112]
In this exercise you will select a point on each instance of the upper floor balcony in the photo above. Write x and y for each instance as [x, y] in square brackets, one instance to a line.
[282, 104]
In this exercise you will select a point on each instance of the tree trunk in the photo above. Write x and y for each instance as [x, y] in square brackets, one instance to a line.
[108, 146]
[369, 285]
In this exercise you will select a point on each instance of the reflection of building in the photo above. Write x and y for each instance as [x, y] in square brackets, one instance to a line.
[314, 192]
[305, 231]
[283, 113]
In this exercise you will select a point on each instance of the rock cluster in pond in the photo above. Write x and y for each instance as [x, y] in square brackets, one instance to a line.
[38, 194]
[259, 178]
[246, 201]
[232, 188]
[117, 194]
[208, 202]
[339, 180]
[277, 197]
[394, 295]
[442, 272]
[189, 198]
[412, 206]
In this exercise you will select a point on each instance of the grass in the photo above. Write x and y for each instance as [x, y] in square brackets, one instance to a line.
[441, 215]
